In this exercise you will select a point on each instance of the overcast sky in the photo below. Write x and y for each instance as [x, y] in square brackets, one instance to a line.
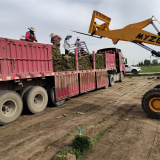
[62, 16]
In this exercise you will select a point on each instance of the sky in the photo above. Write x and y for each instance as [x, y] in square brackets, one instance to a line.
[62, 16]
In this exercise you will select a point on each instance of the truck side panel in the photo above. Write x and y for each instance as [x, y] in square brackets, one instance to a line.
[87, 81]
[66, 85]
[3, 57]
[102, 78]
[24, 58]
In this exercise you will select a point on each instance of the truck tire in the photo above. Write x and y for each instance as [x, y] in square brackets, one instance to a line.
[134, 71]
[111, 80]
[24, 90]
[151, 103]
[157, 86]
[36, 99]
[11, 107]
[51, 98]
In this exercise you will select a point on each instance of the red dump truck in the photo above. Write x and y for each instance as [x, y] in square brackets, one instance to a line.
[27, 80]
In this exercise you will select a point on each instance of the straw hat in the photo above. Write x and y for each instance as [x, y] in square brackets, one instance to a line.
[52, 34]
[32, 29]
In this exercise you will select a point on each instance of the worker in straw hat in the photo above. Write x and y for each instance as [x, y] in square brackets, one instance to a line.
[30, 36]
[55, 40]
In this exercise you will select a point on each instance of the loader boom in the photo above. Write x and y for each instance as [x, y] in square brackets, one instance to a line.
[131, 33]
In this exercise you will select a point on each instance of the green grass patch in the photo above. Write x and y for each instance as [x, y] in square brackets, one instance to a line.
[131, 119]
[98, 136]
[122, 118]
[110, 115]
[146, 69]
[20, 144]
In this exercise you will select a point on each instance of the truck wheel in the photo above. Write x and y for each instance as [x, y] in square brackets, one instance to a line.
[11, 107]
[24, 90]
[157, 86]
[51, 97]
[134, 71]
[36, 99]
[151, 103]
[111, 80]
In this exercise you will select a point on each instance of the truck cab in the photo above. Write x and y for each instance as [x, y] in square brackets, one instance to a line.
[114, 64]
[118, 60]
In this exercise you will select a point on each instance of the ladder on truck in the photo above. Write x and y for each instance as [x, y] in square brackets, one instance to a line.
[83, 49]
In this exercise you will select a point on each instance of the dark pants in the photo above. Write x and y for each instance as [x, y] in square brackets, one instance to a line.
[66, 51]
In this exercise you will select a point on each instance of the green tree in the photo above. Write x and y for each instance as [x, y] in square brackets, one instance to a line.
[147, 62]
[140, 64]
[155, 62]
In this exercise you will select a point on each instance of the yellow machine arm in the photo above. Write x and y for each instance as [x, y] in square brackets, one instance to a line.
[132, 32]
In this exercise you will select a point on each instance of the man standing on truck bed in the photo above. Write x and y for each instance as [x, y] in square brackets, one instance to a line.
[55, 40]
[67, 44]
[78, 44]
[30, 36]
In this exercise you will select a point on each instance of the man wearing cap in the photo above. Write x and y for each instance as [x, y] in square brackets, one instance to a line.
[30, 36]
[67, 44]
[78, 44]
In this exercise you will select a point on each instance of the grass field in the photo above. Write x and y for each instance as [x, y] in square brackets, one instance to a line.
[146, 69]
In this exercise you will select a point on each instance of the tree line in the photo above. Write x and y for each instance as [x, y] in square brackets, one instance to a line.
[149, 63]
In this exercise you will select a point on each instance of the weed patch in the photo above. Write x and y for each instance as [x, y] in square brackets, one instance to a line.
[80, 145]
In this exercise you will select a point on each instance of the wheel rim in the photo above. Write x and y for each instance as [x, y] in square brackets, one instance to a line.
[8, 108]
[38, 100]
[154, 104]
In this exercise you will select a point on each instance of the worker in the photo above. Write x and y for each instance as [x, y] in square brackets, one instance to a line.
[30, 36]
[67, 44]
[55, 40]
[78, 44]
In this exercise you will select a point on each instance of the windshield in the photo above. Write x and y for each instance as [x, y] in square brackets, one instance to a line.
[124, 60]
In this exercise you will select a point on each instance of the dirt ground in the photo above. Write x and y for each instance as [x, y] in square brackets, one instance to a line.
[131, 135]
